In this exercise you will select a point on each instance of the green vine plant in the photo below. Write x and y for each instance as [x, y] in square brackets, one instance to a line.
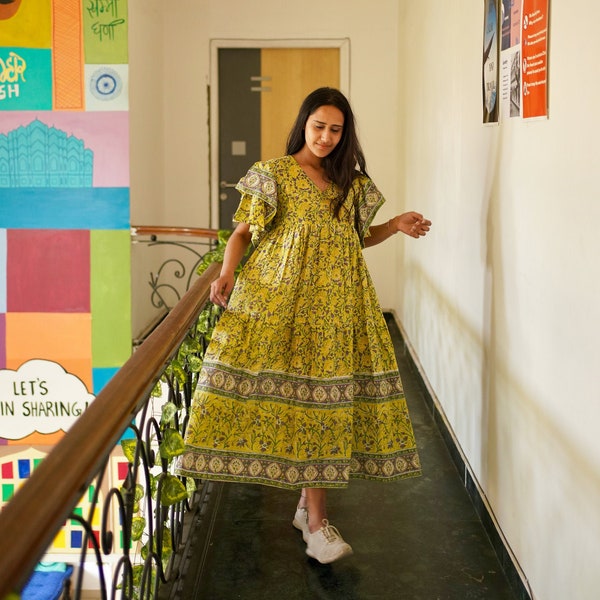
[180, 378]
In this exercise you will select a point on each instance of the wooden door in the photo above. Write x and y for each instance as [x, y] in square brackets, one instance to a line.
[291, 73]
[260, 92]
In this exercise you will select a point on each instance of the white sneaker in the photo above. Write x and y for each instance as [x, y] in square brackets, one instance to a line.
[327, 545]
[301, 522]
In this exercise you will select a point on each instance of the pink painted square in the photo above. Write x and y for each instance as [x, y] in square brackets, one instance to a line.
[48, 270]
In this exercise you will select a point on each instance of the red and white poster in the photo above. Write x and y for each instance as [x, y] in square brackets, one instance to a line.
[535, 58]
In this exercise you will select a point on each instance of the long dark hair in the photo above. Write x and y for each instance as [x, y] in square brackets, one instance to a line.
[347, 157]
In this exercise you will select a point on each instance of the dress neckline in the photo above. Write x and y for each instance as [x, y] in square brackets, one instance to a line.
[322, 191]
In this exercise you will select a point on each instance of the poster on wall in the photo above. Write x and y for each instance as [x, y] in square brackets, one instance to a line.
[515, 60]
[535, 58]
[489, 79]
[510, 59]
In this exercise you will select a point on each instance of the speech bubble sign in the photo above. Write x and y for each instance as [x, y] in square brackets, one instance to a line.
[40, 396]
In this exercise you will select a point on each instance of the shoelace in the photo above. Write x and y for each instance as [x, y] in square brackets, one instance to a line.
[330, 533]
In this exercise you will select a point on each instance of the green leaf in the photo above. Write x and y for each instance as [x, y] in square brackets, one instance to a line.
[169, 410]
[157, 390]
[153, 486]
[172, 444]
[173, 490]
[190, 485]
[223, 236]
[128, 447]
[137, 528]
[215, 311]
[204, 321]
[139, 492]
[194, 364]
[189, 346]
[178, 371]
[137, 574]
[167, 546]
[215, 255]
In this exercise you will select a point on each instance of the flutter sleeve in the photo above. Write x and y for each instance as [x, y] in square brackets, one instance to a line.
[258, 204]
[367, 200]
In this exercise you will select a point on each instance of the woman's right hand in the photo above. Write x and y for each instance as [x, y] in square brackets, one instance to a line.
[220, 289]
[237, 245]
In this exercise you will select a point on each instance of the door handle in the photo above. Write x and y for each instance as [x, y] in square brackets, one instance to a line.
[226, 184]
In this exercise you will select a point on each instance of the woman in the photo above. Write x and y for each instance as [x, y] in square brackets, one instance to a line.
[299, 387]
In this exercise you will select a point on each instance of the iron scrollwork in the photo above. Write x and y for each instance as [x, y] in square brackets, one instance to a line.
[165, 291]
[150, 526]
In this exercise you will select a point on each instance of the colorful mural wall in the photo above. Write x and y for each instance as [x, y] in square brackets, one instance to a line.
[65, 325]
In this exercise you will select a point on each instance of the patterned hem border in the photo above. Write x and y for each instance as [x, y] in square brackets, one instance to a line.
[296, 486]
[286, 474]
[218, 378]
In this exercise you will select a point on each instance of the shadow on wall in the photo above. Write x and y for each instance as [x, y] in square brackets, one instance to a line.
[543, 485]
[456, 373]
[543, 488]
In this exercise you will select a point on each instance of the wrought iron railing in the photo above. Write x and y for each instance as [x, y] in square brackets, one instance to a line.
[164, 264]
[151, 502]
[174, 272]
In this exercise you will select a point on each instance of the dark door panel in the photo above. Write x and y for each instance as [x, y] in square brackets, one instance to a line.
[239, 124]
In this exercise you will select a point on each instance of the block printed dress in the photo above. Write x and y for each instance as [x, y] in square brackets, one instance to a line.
[299, 385]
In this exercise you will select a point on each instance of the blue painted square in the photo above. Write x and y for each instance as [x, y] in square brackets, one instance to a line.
[64, 208]
[101, 376]
[76, 539]
[24, 468]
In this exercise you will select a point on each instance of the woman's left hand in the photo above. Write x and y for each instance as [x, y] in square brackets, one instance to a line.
[411, 223]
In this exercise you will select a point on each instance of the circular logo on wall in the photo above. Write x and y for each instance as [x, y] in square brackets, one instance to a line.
[105, 84]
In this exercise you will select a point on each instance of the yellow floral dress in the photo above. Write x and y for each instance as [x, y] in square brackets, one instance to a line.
[299, 386]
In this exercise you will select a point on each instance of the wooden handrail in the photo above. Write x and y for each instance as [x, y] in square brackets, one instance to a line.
[186, 231]
[33, 517]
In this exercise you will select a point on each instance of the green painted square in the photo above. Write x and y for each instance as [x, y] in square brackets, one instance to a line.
[122, 543]
[8, 491]
[79, 512]
[102, 22]
[110, 297]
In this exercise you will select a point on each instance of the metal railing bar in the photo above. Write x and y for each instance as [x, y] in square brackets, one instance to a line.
[164, 230]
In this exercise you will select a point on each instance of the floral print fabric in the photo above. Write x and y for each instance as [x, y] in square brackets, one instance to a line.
[299, 386]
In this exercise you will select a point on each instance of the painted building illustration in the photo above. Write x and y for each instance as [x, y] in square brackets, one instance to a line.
[65, 324]
[37, 155]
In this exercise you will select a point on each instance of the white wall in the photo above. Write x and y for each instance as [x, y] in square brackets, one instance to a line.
[147, 112]
[502, 302]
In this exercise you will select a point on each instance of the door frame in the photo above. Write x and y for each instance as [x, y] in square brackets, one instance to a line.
[343, 44]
